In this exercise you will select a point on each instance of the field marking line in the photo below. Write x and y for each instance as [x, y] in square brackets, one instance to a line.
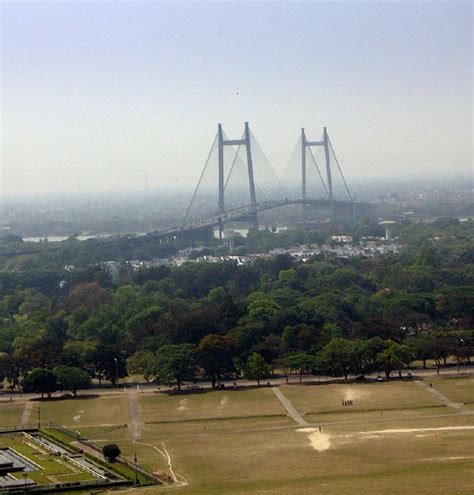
[167, 456]
[289, 407]
[442, 398]
[410, 430]
[25, 417]
[135, 426]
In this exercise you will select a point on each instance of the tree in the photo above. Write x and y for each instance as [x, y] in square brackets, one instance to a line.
[261, 308]
[143, 324]
[395, 357]
[338, 357]
[302, 362]
[40, 381]
[175, 362]
[256, 368]
[13, 367]
[42, 352]
[215, 355]
[434, 348]
[422, 349]
[105, 361]
[285, 365]
[269, 347]
[88, 296]
[71, 378]
[111, 451]
[439, 351]
[143, 363]
[365, 354]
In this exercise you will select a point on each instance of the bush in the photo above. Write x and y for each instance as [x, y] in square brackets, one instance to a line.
[111, 451]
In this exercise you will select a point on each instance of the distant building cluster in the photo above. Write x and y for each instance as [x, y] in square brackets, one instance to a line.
[342, 247]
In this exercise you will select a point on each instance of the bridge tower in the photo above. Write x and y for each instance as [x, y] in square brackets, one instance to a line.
[329, 157]
[245, 141]
[305, 144]
[308, 144]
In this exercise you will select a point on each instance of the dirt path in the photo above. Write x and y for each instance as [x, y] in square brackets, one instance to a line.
[25, 417]
[167, 456]
[289, 407]
[135, 426]
[445, 400]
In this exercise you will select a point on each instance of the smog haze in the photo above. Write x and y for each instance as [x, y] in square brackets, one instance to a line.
[96, 95]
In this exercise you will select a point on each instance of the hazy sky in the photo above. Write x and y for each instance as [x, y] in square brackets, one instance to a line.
[96, 94]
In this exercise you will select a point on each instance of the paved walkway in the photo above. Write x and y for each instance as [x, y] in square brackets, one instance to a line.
[445, 400]
[25, 418]
[135, 427]
[289, 406]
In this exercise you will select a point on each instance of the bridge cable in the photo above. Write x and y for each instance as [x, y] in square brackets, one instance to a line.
[267, 182]
[340, 170]
[200, 180]
[317, 168]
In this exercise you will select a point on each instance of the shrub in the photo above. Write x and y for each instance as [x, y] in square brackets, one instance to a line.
[111, 451]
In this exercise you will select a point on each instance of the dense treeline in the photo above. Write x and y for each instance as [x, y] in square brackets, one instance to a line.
[329, 315]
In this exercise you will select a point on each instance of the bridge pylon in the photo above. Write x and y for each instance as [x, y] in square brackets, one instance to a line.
[305, 143]
[327, 183]
[245, 141]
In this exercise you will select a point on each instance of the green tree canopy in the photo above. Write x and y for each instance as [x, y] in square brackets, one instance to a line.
[71, 378]
[40, 381]
[215, 355]
[175, 362]
[256, 368]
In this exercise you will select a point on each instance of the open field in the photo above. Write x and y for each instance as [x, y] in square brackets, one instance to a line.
[396, 438]
[459, 388]
[10, 413]
[379, 396]
[105, 409]
[219, 404]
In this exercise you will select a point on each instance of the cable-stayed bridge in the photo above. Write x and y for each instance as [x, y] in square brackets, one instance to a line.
[237, 183]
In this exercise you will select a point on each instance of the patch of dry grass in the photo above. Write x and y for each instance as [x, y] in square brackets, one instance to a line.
[212, 404]
[379, 396]
[456, 388]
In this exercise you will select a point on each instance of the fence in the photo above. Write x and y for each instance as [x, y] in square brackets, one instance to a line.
[70, 485]
[127, 463]
[18, 429]
[41, 444]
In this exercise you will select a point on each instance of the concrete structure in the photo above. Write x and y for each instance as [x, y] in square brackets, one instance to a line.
[344, 212]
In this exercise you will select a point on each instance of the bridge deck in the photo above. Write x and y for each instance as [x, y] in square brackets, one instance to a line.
[245, 213]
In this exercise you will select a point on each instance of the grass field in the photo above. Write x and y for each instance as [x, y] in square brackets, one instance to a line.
[397, 438]
[260, 458]
[219, 404]
[379, 396]
[457, 388]
[10, 413]
[103, 410]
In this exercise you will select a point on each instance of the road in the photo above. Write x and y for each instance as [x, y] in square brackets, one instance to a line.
[126, 388]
